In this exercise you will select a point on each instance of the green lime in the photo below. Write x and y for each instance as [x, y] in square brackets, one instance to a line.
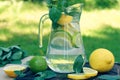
[37, 64]
[61, 40]
[76, 40]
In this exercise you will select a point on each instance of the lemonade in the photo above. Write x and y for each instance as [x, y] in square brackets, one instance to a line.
[66, 45]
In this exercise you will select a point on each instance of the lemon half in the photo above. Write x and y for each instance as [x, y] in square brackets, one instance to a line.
[9, 70]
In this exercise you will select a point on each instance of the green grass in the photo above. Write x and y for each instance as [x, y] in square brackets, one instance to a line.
[99, 28]
[106, 37]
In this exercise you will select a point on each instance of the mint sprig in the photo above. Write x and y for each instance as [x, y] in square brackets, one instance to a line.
[54, 14]
[57, 7]
[12, 54]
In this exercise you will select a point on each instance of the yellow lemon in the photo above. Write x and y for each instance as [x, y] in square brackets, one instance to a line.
[64, 19]
[9, 70]
[87, 73]
[101, 60]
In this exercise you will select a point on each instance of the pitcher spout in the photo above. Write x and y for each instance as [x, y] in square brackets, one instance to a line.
[75, 11]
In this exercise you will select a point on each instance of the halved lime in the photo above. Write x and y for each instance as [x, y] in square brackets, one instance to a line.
[61, 40]
[76, 40]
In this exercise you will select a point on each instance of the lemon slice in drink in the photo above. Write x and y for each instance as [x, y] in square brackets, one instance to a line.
[65, 19]
[61, 40]
[76, 39]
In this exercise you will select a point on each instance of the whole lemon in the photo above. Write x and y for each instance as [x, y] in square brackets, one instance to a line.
[37, 64]
[101, 60]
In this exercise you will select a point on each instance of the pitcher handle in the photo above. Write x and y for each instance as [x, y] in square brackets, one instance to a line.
[40, 29]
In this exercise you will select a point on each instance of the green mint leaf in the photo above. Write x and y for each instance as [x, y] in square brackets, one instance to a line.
[49, 74]
[55, 25]
[71, 2]
[4, 57]
[16, 62]
[62, 4]
[109, 77]
[20, 73]
[46, 74]
[1, 65]
[78, 64]
[5, 62]
[54, 14]
[17, 55]
[62, 76]
[39, 78]
[24, 54]
[9, 55]
[39, 73]
[5, 49]
[15, 48]
[1, 52]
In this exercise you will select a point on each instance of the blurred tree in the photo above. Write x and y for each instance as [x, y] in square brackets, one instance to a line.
[106, 3]
[35, 0]
[100, 4]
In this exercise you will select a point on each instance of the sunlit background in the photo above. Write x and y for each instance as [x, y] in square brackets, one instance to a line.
[99, 24]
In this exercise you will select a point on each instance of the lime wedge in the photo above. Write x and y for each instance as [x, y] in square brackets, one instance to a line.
[61, 40]
[76, 40]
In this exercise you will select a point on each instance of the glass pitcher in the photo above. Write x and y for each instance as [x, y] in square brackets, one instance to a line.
[65, 40]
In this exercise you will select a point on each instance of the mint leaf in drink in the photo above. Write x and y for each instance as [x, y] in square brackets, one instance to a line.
[78, 64]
